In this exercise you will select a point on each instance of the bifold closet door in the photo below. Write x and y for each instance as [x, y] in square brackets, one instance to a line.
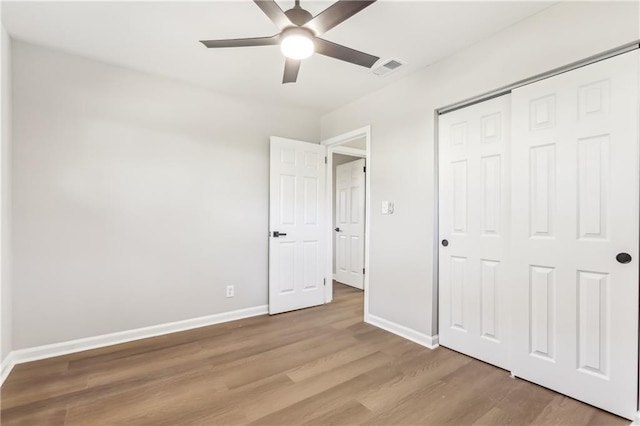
[575, 233]
[474, 224]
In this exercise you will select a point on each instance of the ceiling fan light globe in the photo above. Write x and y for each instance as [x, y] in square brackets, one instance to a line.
[297, 46]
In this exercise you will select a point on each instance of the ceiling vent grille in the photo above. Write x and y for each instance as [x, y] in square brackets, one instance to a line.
[387, 67]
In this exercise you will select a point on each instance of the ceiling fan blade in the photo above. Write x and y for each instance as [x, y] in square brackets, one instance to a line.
[291, 68]
[243, 42]
[273, 11]
[336, 14]
[344, 53]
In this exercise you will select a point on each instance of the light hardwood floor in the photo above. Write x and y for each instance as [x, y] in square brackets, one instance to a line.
[314, 366]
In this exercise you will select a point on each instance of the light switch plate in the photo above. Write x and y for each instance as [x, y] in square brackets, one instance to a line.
[385, 207]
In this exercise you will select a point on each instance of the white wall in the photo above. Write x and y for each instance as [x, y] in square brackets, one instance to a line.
[402, 150]
[6, 316]
[137, 199]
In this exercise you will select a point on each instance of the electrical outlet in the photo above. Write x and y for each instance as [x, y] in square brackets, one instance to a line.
[230, 291]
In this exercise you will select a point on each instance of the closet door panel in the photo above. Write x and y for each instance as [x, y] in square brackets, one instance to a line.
[474, 221]
[575, 207]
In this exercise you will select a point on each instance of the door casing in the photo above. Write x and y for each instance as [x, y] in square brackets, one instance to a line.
[335, 145]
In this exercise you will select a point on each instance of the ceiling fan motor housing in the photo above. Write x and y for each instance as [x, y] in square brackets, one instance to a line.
[298, 16]
[304, 32]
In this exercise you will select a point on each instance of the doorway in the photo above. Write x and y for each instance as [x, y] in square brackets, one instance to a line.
[348, 151]
[348, 219]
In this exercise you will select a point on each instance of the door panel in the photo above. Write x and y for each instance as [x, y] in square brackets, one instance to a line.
[491, 198]
[488, 306]
[542, 327]
[575, 306]
[296, 208]
[474, 213]
[350, 222]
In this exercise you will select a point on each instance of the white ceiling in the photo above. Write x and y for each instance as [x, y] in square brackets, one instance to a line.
[162, 38]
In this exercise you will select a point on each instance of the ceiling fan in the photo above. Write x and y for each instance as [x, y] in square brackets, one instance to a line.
[299, 34]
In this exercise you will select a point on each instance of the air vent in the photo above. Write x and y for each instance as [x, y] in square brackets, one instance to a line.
[388, 66]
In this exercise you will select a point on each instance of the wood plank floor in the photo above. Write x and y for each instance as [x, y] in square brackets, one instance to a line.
[315, 366]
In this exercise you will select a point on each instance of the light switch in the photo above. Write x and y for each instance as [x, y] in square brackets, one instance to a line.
[387, 207]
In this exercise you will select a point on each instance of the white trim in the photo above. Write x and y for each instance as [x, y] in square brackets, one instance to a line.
[348, 137]
[332, 144]
[636, 420]
[430, 342]
[63, 348]
[435, 290]
[5, 368]
[354, 152]
[367, 219]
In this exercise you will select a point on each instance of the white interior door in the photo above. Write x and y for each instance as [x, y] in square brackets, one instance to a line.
[575, 208]
[474, 230]
[297, 238]
[350, 223]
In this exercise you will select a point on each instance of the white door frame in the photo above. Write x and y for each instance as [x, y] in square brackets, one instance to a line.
[334, 145]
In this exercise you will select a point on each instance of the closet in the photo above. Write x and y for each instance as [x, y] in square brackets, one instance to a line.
[539, 232]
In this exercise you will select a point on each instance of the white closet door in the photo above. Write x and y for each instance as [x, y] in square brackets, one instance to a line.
[575, 207]
[474, 226]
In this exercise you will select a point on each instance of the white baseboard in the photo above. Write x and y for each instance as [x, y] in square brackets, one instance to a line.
[430, 342]
[334, 277]
[636, 420]
[63, 348]
[5, 368]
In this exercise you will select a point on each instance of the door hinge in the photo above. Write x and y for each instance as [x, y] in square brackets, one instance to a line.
[325, 159]
[364, 169]
[362, 271]
[325, 281]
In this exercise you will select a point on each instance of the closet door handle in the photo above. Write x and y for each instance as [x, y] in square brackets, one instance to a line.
[445, 243]
[623, 257]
